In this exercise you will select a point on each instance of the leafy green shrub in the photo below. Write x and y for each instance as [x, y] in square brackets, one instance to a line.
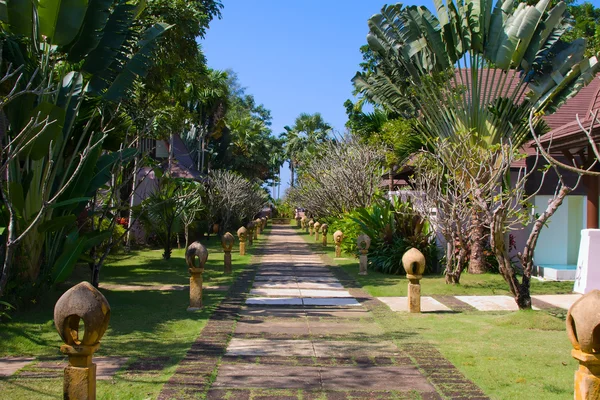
[118, 233]
[351, 230]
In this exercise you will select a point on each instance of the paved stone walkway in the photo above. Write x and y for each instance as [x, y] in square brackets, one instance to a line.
[300, 334]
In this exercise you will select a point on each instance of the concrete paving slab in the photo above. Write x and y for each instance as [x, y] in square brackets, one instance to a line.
[276, 327]
[559, 300]
[275, 301]
[325, 301]
[324, 293]
[297, 273]
[405, 378]
[327, 348]
[270, 347]
[273, 312]
[10, 365]
[491, 303]
[274, 278]
[337, 313]
[400, 304]
[316, 279]
[267, 377]
[320, 285]
[343, 328]
[275, 285]
[276, 292]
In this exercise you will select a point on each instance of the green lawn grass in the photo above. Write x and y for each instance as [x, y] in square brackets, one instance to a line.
[142, 324]
[522, 355]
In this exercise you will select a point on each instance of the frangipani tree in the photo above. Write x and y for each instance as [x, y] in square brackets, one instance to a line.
[476, 67]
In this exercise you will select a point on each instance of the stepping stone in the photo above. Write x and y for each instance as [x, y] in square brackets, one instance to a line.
[491, 303]
[324, 293]
[270, 347]
[272, 326]
[276, 292]
[328, 301]
[559, 300]
[275, 301]
[10, 365]
[267, 377]
[405, 378]
[400, 304]
[222, 288]
[298, 273]
[106, 367]
[328, 348]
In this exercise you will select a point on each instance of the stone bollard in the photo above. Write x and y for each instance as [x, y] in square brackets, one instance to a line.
[363, 242]
[311, 227]
[305, 224]
[242, 235]
[317, 227]
[414, 265]
[250, 227]
[257, 227]
[324, 229]
[194, 250]
[338, 236]
[81, 302]
[264, 222]
[227, 242]
[583, 328]
[298, 221]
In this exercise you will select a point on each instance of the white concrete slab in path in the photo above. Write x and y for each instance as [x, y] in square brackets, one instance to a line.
[270, 347]
[400, 304]
[324, 293]
[559, 300]
[491, 303]
[10, 365]
[274, 301]
[351, 302]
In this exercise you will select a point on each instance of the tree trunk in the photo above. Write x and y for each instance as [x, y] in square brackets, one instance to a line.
[187, 236]
[292, 172]
[477, 258]
[391, 183]
[167, 252]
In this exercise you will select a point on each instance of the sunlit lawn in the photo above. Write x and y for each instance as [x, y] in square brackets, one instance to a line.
[510, 355]
[143, 323]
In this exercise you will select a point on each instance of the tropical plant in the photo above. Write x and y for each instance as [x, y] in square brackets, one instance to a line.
[475, 68]
[303, 138]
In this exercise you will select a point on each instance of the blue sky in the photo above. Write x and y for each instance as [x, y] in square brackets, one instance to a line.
[293, 56]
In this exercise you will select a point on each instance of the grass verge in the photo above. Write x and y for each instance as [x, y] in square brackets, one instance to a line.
[143, 324]
[511, 355]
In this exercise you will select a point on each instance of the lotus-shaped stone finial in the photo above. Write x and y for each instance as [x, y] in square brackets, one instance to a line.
[242, 233]
[196, 249]
[363, 242]
[413, 262]
[338, 236]
[82, 302]
[317, 226]
[324, 228]
[227, 241]
[583, 323]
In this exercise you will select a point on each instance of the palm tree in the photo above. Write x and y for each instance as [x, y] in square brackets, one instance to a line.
[301, 140]
[475, 68]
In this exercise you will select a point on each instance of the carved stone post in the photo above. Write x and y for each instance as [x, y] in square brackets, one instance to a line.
[324, 229]
[304, 221]
[414, 265]
[227, 243]
[196, 249]
[363, 242]
[257, 227]
[250, 227]
[81, 302]
[317, 227]
[583, 323]
[311, 227]
[264, 222]
[298, 221]
[338, 236]
[242, 235]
